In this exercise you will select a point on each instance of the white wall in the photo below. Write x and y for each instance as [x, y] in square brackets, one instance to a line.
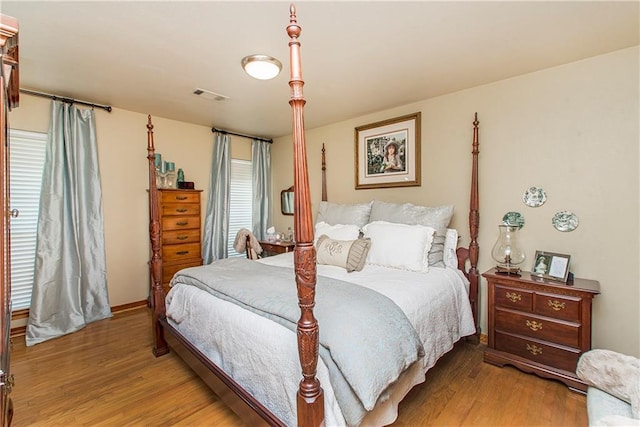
[572, 130]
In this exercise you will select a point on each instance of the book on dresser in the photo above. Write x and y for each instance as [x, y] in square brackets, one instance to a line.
[539, 326]
[181, 232]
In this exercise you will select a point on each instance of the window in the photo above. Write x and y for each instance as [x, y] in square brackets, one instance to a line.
[240, 203]
[26, 162]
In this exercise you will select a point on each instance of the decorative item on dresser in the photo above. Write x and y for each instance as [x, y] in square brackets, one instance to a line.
[539, 326]
[181, 237]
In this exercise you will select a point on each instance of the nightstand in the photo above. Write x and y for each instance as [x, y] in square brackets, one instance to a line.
[275, 248]
[539, 326]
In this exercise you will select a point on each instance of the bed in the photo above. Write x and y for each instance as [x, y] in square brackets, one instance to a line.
[249, 335]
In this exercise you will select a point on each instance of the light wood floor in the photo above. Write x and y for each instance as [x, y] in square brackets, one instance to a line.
[106, 375]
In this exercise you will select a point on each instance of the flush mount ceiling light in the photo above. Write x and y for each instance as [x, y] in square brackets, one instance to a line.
[261, 67]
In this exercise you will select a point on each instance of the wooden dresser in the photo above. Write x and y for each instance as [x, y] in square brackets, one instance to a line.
[181, 236]
[275, 248]
[539, 326]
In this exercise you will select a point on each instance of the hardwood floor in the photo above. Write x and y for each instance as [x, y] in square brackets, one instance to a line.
[105, 375]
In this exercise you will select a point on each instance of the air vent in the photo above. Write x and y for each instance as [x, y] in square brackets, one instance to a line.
[207, 94]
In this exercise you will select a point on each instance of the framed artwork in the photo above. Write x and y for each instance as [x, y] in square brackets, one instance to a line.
[551, 266]
[388, 153]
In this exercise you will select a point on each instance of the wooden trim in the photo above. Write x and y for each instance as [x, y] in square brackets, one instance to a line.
[24, 314]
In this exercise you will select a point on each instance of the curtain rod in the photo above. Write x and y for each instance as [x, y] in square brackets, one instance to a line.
[269, 140]
[65, 99]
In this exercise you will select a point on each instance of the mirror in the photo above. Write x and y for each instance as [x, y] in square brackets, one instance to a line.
[286, 201]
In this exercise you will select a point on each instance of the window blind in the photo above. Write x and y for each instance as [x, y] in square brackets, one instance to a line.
[240, 202]
[26, 162]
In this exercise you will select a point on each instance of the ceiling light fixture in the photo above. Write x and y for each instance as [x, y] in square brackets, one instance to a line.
[261, 67]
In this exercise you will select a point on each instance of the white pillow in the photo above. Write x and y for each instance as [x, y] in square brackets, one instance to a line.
[399, 245]
[334, 213]
[336, 232]
[437, 217]
[450, 246]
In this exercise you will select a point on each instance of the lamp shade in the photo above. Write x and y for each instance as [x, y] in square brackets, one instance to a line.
[261, 67]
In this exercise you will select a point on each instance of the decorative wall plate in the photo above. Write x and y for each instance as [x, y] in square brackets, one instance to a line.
[514, 219]
[565, 221]
[534, 197]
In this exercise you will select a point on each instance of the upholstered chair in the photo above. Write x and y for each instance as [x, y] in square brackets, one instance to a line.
[613, 396]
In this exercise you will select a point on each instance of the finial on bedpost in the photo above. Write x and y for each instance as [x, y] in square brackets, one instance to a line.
[310, 398]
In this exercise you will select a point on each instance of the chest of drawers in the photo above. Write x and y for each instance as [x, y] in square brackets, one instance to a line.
[539, 326]
[181, 236]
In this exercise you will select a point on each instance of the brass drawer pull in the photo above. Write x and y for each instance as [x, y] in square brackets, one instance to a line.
[182, 237]
[181, 210]
[181, 197]
[514, 297]
[534, 349]
[182, 223]
[182, 252]
[533, 325]
[556, 305]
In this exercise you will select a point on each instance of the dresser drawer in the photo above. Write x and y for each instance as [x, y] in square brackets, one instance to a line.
[180, 197]
[544, 328]
[180, 223]
[179, 252]
[540, 352]
[183, 209]
[517, 299]
[168, 270]
[559, 307]
[180, 236]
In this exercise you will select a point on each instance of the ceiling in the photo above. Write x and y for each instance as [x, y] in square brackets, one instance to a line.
[357, 57]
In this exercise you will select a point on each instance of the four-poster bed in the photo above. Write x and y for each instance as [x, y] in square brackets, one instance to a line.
[180, 319]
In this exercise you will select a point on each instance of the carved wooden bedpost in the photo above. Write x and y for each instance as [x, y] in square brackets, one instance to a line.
[474, 223]
[155, 265]
[324, 175]
[310, 401]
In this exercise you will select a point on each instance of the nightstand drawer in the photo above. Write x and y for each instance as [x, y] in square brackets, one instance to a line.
[517, 299]
[180, 236]
[540, 352]
[559, 307]
[177, 252]
[184, 209]
[542, 328]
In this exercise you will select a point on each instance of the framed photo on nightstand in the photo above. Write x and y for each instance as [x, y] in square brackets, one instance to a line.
[551, 266]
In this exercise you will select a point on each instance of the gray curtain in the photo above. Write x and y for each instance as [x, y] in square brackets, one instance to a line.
[261, 177]
[70, 279]
[216, 221]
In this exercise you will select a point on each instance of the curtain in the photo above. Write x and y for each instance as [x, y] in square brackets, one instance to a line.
[70, 279]
[261, 176]
[216, 221]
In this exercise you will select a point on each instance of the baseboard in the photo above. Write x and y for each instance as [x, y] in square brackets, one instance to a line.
[24, 314]
[484, 339]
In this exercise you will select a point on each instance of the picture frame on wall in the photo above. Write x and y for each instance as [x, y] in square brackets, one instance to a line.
[551, 266]
[388, 153]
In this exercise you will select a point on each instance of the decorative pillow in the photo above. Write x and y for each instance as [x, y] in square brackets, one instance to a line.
[399, 245]
[450, 245]
[614, 373]
[437, 217]
[338, 231]
[348, 254]
[334, 213]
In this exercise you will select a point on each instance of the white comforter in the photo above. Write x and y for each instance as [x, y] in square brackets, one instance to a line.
[262, 355]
